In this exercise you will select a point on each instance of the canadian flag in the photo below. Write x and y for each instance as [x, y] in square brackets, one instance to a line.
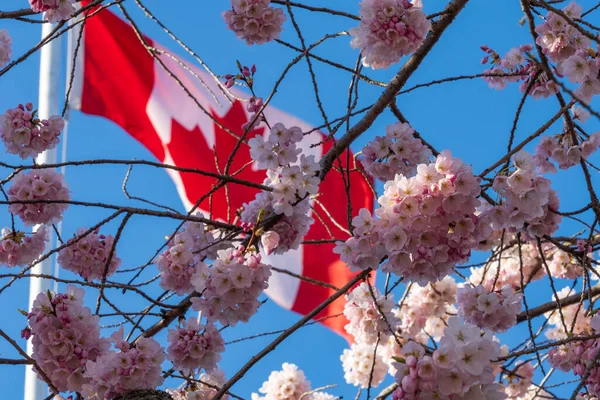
[117, 78]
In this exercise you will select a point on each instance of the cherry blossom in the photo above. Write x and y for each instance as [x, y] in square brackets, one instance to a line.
[564, 45]
[426, 225]
[359, 360]
[367, 323]
[515, 66]
[23, 133]
[44, 185]
[574, 319]
[89, 256]
[279, 150]
[55, 10]
[528, 201]
[398, 152]
[254, 21]
[563, 151]
[269, 241]
[507, 270]
[16, 248]
[496, 310]
[426, 309]
[132, 368]
[289, 383]
[183, 257]
[230, 289]
[557, 37]
[388, 31]
[519, 380]
[205, 389]
[290, 228]
[579, 355]
[460, 366]
[194, 346]
[253, 107]
[291, 184]
[5, 47]
[65, 337]
[562, 265]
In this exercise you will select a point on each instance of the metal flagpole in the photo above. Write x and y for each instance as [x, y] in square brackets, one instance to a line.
[48, 104]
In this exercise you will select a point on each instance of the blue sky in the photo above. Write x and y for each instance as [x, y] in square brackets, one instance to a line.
[466, 117]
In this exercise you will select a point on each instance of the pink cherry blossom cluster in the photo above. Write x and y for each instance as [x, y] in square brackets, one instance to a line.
[56, 10]
[16, 248]
[392, 347]
[367, 323]
[563, 151]
[43, 185]
[558, 38]
[205, 389]
[427, 223]
[507, 270]
[290, 383]
[366, 248]
[516, 67]
[494, 238]
[528, 201]
[519, 380]
[388, 31]
[562, 265]
[231, 287]
[254, 21]
[88, 256]
[495, 310]
[5, 47]
[578, 355]
[574, 318]
[65, 337]
[290, 229]
[23, 133]
[193, 346]
[426, 309]
[279, 150]
[363, 366]
[398, 152]
[460, 366]
[183, 257]
[132, 368]
[290, 182]
[564, 44]
[582, 67]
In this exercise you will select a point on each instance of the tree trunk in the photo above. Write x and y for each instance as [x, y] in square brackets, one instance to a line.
[146, 394]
